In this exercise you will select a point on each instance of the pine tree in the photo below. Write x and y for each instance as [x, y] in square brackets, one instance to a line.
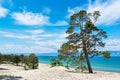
[86, 36]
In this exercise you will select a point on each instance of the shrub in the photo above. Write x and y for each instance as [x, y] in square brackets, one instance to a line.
[32, 61]
[16, 59]
[22, 59]
[0, 58]
[55, 62]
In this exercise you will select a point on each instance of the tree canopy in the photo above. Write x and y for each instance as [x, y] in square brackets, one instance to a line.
[85, 37]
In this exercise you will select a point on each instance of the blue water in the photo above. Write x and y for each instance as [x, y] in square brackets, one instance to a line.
[112, 64]
[98, 63]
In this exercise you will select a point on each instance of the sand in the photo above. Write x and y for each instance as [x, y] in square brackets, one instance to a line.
[44, 72]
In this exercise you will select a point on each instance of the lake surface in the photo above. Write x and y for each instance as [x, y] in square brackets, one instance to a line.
[98, 63]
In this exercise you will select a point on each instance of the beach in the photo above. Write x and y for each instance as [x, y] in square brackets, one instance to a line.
[45, 72]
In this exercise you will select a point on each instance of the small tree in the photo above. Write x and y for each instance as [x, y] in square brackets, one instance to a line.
[55, 62]
[1, 58]
[79, 62]
[66, 50]
[32, 61]
[22, 59]
[16, 59]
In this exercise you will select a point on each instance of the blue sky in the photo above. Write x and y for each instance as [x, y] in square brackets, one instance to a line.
[39, 25]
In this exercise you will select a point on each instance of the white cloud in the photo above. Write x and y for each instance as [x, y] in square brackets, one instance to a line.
[51, 46]
[46, 10]
[35, 35]
[53, 43]
[48, 42]
[38, 43]
[113, 42]
[18, 48]
[38, 31]
[113, 45]
[19, 36]
[33, 19]
[109, 10]
[53, 40]
[72, 11]
[13, 35]
[3, 12]
[30, 19]
[60, 23]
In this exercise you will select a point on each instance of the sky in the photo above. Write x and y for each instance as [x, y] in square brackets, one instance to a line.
[38, 26]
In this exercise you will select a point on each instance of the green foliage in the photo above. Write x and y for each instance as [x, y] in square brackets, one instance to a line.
[106, 54]
[0, 58]
[55, 62]
[60, 56]
[16, 59]
[10, 58]
[32, 61]
[66, 50]
[65, 58]
[79, 63]
[22, 59]
[28, 62]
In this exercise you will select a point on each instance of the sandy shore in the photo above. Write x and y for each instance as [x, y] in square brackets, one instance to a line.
[44, 72]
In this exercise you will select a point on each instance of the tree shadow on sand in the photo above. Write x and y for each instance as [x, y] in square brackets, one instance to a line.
[9, 77]
[4, 69]
[72, 71]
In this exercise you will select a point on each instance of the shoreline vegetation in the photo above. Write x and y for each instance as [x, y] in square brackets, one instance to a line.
[54, 71]
[27, 62]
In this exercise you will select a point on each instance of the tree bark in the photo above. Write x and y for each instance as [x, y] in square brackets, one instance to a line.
[88, 63]
[86, 55]
[67, 66]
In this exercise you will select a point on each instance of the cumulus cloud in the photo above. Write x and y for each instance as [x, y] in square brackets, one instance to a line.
[109, 10]
[35, 19]
[3, 12]
[30, 19]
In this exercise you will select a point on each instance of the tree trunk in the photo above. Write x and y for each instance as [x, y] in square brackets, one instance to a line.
[67, 65]
[86, 55]
[81, 66]
[88, 63]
